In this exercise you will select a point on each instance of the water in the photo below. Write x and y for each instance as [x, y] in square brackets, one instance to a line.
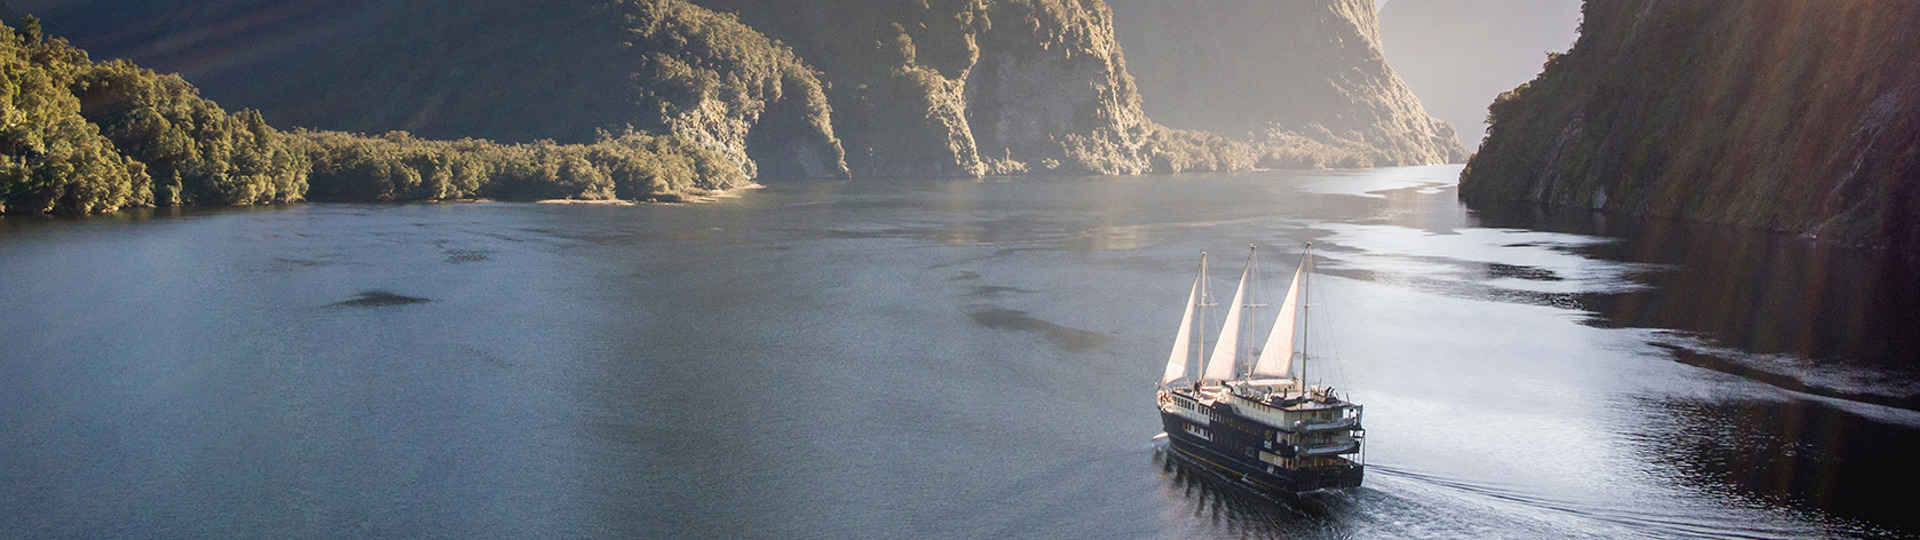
[947, 358]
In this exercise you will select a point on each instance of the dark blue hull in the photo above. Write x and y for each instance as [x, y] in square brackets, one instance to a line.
[1249, 470]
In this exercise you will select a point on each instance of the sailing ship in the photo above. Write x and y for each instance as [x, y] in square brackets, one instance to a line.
[1247, 412]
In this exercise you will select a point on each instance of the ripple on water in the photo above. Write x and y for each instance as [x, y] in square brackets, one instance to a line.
[1070, 339]
[375, 299]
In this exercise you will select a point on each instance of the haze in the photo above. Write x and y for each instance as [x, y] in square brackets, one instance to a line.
[1457, 55]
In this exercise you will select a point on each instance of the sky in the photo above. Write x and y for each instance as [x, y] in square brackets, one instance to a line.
[1457, 55]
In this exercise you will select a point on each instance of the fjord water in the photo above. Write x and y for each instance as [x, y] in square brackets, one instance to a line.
[967, 359]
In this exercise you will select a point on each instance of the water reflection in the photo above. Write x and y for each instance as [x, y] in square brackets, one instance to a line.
[1750, 454]
[1758, 291]
[1801, 453]
[959, 359]
[1787, 312]
[1232, 510]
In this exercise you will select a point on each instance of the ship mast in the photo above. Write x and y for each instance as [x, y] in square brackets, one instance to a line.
[1306, 309]
[1200, 353]
[1247, 326]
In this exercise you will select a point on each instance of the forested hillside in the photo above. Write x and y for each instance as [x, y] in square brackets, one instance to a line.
[1801, 117]
[799, 88]
[84, 137]
[941, 88]
[494, 69]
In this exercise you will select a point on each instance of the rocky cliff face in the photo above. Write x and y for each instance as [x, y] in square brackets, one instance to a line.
[957, 88]
[1279, 70]
[967, 87]
[496, 69]
[1783, 114]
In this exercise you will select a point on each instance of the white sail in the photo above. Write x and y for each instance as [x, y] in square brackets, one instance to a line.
[1276, 359]
[1220, 366]
[1183, 341]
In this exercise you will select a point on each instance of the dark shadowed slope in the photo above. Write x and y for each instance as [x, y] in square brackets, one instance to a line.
[942, 88]
[508, 70]
[1782, 114]
[88, 137]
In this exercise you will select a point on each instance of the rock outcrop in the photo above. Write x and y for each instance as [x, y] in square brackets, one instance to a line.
[494, 69]
[1782, 114]
[968, 87]
[948, 88]
[1280, 72]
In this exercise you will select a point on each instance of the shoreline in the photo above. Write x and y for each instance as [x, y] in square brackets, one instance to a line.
[695, 196]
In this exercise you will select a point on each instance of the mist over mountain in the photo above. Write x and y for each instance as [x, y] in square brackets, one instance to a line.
[1457, 55]
[1267, 70]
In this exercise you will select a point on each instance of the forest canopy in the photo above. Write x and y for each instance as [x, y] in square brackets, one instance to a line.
[85, 137]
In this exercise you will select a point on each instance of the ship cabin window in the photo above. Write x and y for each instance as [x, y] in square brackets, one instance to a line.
[1288, 463]
[1198, 431]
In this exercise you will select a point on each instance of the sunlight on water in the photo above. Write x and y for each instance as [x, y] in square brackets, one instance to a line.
[885, 359]
[1375, 183]
[1495, 258]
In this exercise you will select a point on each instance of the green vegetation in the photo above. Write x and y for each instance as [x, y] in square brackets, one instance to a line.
[54, 160]
[489, 69]
[964, 88]
[602, 99]
[925, 88]
[87, 137]
[398, 167]
[897, 71]
[195, 153]
[706, 77]
[1777, 114]
[1176, 151]
[1284, 149]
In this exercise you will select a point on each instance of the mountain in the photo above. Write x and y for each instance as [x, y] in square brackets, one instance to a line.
[1795, 116]
[1457, 55]
[507, 70]
[1280, 71]
[971, 87]
[82, 136]
[936, 88]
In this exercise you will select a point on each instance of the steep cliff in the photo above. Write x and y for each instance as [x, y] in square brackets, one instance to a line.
[489, 68]
[1783, 114]
[971, 87]
[1281, 72]
[924, 88]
